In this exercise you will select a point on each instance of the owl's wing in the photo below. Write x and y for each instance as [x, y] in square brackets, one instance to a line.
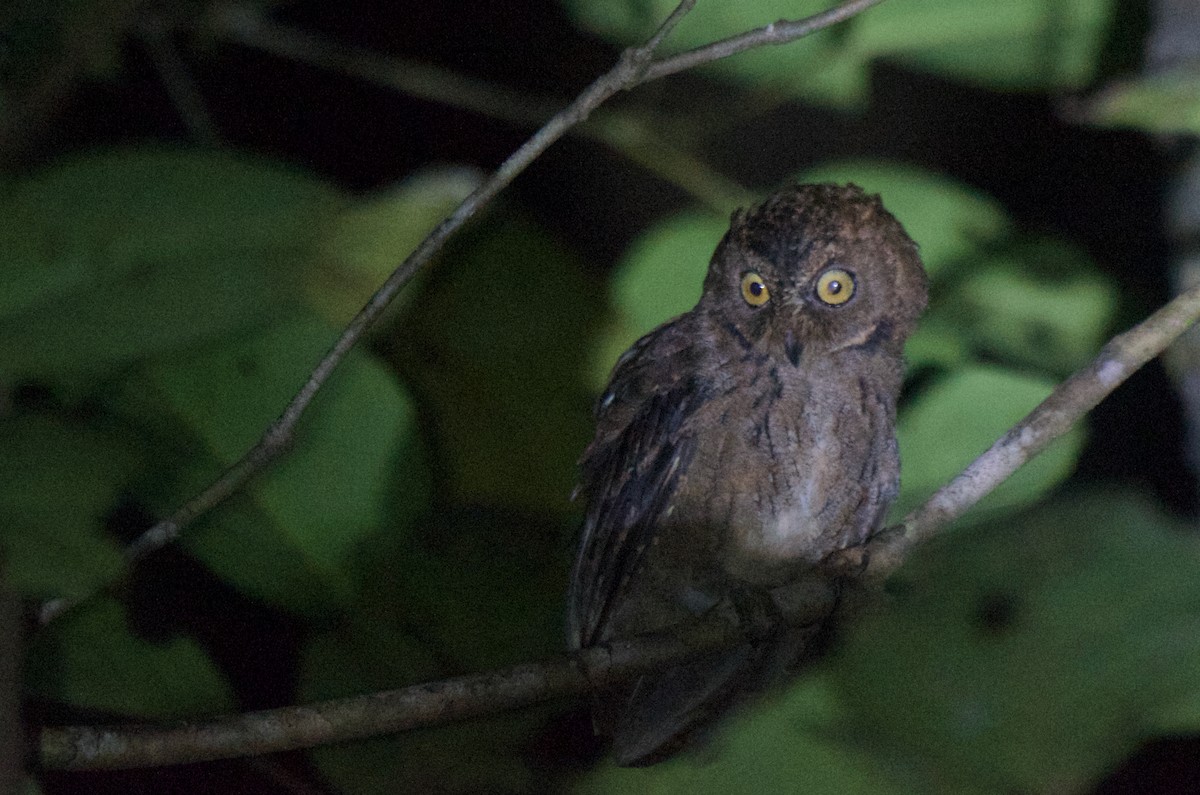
[631, 471]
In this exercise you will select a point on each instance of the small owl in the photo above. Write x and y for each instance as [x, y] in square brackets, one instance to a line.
[740, 444]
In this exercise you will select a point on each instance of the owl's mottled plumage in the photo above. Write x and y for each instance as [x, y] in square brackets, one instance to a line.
[739, 445]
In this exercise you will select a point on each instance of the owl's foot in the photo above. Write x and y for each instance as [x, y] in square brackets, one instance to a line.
[757, 614]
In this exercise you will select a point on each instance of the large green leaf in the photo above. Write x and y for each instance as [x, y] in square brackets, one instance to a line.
[1031, 655]
[89, 658]
[949, 423]
[1041, 305]
[1161, 103]
[355, 469]
[1016, 44]
[114, 258]
[58, 481]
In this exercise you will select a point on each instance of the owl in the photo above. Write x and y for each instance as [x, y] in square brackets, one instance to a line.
[739, 445]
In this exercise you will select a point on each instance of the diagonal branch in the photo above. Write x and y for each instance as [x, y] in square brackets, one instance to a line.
[811, 601]
[633, 69]
[1120, 358]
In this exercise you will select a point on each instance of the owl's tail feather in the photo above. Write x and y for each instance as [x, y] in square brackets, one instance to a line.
[662, 713]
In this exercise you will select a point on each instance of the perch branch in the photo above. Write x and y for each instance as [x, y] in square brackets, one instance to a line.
[435, 703]
[631, 70]
[428, 704]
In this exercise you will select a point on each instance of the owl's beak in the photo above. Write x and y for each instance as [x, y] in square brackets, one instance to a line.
[792, 347]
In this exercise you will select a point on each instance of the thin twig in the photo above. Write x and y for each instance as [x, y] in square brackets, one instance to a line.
[780, 32]
[428, 704]
[632, 70]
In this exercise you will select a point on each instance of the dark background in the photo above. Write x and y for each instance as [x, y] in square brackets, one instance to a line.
[1102, 189]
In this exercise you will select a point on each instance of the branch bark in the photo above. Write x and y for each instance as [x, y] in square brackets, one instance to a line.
[429, 704]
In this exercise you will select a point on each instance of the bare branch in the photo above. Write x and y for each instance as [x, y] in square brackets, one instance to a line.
[632, 70]
[780, 32]
[429, 704]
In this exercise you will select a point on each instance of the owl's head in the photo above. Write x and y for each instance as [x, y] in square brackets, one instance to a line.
[819, 268]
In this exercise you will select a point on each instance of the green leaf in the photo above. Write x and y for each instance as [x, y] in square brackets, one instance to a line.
[1040, 305]
[660, 276]
[1035, 45]
[956, 418]
[951, 222]
[1031, 655]
[829, 71]
[354, 471]
[1161, 103]
[89, 658]
[58, 481]
[114, 258]
[785, 746]
[495, 341]
[369, 238]
[936, 343]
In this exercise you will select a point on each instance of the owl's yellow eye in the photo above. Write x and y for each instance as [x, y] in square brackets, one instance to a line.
[754, 289]
[835, 286]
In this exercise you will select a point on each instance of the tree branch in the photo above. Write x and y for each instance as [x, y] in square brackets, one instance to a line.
[632, 70]
[780, 32]
[806, 603]
[1121, 357]
[429, 704]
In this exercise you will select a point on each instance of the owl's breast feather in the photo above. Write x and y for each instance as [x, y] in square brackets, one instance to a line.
[802, 476]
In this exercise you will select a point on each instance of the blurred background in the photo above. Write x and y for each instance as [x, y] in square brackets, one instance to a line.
[196, 196]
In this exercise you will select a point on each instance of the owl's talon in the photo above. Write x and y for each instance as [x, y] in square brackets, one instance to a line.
[757, 614]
